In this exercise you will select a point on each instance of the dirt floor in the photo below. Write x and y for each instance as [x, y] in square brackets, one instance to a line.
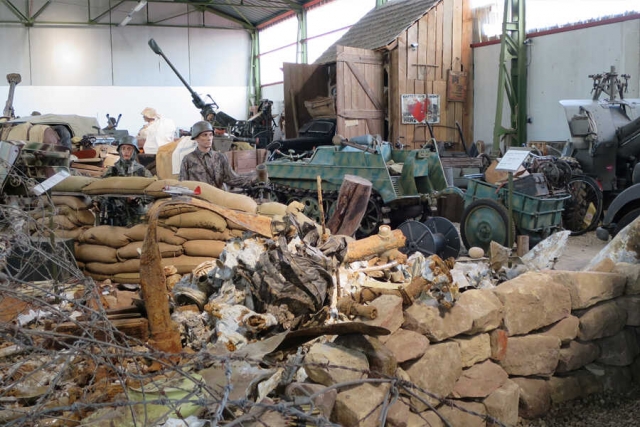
[580, 250]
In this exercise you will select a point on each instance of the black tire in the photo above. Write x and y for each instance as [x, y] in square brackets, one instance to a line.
[584, 192]
[625, 220]
[483, 221]
[372, 219]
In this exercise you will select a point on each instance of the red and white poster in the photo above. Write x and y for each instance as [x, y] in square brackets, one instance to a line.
[420, 108]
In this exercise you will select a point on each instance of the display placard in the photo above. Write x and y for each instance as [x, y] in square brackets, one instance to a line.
[512, 160]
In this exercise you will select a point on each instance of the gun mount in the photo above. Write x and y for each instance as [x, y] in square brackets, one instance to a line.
[258, 129]
[13, 79]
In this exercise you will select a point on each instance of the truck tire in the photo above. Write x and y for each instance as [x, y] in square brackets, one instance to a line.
[585, 196]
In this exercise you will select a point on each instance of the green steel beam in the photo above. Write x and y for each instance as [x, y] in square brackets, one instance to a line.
[44, 6]
[246, 24]
[172, 17]
[513, 82]
[301, 42]
[380, 2]
[95, 20]
[255, 84]
[23, 19]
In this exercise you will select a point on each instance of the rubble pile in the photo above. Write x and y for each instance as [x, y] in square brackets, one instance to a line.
[288, 325]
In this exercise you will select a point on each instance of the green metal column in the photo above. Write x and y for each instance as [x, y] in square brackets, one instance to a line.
[255, 86]
[380, 2]
[301, 54]
[513, 82]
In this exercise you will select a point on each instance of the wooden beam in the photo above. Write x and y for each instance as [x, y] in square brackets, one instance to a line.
[362, 114]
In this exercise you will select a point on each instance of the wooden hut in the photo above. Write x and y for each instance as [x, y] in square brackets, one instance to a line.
[401, 65]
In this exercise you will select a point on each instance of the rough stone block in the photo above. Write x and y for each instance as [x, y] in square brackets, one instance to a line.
[631, 304]
[325, 401]
[499, 339]
[381, 360]
[532, 301]
[437, 381]
[479, 381]
[620, 349]
[535, 397]
[427, 418]
[457, 417]
[474, 349]
[398, 414]
[437, 323]
[407, 345]
[485, 310]
[322, 360]
[602, 320]
[360, 406]
[390, 314]
[564, 388]
[632, 272]
[531, 355]
[576, 355]
[502, 404]
[565, 329]
[588, 288]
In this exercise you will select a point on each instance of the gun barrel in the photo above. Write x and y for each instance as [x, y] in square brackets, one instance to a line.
[154, 46]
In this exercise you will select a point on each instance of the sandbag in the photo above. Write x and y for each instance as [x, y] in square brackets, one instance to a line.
[220, 197]
[272, 208]
[71, 234]
[155, 189]
[95, 253]
[128, 266]
[59, 222]
[184, 264]
[73, 184]
[203, 234]
[205, 248]
[172, 210]
[200, 219]
[133, 250]
[74, 202]
[115, 278]
[118, 185]
[137, 233]
[164, 160]
[106, 235]
[79, 217]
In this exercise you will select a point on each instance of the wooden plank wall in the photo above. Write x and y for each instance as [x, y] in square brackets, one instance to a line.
[302, 82]
[443, 37]
[357, 113]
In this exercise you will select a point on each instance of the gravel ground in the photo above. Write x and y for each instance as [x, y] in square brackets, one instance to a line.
[598, 410]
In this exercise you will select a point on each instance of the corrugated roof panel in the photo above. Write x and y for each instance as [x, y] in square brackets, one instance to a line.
[380, 26]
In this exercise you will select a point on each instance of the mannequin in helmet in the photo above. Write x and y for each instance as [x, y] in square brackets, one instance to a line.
[127, 165]
[206, 165]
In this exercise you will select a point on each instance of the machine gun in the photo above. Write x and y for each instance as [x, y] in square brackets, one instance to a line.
[258, 129]
[13, 79]
[209, 111]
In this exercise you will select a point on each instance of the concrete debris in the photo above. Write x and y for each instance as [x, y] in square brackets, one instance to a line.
[545, 254]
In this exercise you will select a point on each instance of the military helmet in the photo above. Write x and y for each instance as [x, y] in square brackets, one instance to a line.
[200, 127]
[129, 140]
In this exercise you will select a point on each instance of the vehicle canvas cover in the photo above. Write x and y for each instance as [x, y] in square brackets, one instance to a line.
[78, 125]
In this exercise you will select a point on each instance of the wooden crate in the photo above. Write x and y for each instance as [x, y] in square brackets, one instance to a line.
[245, 161]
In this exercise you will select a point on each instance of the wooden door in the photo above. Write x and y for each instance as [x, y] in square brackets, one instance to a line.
[360, 102]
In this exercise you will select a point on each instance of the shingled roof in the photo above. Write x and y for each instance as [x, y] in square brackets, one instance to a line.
[380, 26]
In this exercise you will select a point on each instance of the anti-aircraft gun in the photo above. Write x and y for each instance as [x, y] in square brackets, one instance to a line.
[259, 127]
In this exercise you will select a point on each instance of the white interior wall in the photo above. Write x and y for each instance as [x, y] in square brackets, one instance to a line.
[559, 66]
[98, 70]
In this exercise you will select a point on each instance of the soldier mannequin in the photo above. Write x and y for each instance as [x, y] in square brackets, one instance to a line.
[206, 165]
[118, 210]
[128, 165]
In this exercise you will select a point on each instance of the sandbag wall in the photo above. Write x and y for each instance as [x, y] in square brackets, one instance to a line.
[187, 236]
[68, 217]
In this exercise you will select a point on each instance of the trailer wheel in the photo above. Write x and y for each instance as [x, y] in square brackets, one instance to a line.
[483, 221]
[582, 211]
[625, 220]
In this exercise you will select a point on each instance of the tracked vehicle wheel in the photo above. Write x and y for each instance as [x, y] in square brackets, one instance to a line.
[373, 218]
[583, 210]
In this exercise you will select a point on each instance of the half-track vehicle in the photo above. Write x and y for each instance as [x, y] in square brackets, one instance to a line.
[405, 183]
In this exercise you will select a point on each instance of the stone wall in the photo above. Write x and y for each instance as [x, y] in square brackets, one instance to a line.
[541, 338]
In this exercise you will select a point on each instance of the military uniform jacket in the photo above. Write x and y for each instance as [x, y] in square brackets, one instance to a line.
[127, 168]
[211, 167]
